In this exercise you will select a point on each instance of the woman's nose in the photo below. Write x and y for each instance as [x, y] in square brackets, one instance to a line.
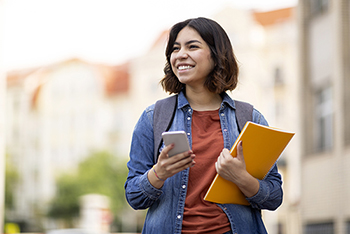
[182, 54]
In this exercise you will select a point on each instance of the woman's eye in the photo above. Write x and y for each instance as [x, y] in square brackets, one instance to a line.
[175, 49]
[193, 46]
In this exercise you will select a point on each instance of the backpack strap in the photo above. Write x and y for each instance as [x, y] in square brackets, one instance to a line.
[163, 115]
[244, 113]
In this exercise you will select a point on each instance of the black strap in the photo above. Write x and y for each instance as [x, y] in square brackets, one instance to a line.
[164, 112]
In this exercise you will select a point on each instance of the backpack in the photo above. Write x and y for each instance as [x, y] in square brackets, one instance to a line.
[164, 112]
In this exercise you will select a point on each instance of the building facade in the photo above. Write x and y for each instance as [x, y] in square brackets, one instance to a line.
[325, 102]
[279, 55]
[56, 116]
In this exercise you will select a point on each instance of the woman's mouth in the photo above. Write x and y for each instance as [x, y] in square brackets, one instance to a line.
[184, 67]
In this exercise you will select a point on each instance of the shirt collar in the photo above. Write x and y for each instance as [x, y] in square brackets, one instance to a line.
[182, 100]
[226, 100]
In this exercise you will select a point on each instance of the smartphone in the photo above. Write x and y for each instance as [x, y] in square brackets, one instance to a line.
[179, 138]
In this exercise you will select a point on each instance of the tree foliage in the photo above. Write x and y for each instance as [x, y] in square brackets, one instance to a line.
[11, 180]
[100, 173]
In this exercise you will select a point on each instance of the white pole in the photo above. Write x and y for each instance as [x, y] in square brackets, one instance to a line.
[2, 130]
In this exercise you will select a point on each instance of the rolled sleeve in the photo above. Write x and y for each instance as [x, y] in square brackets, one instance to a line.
[148, 189]
[270, 194]
[262, 195]
[140, 193]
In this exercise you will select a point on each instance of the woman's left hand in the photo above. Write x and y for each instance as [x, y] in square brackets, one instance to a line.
[234, 169]
[231, 168]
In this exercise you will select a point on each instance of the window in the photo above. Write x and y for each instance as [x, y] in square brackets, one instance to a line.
[278, 77]
[319, 228]
[346, 106]
[318, 6]
[323, 119]
[280, 228]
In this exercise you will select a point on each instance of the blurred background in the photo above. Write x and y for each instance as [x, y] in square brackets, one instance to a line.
[75, 75]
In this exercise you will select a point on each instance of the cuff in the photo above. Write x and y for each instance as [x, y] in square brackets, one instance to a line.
[261, 196]
[148, 188]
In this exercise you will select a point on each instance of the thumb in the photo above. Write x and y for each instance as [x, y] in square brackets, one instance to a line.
[240, 155]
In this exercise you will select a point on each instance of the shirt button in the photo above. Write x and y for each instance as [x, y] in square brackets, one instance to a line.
[222, 114]
[179, 216]
[188, 118]
[183, 186]
[188, 133]
[189, 110]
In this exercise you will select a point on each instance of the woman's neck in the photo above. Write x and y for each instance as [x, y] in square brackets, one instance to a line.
[203, 100]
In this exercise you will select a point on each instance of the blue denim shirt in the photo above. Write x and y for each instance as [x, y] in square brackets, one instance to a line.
[166, 205]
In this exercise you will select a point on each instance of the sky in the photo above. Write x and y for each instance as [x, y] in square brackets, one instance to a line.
[38, 32]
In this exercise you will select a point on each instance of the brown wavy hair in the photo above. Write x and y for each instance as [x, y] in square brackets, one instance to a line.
[225, 73]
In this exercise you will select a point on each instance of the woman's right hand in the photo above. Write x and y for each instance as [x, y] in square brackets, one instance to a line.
[169, 166]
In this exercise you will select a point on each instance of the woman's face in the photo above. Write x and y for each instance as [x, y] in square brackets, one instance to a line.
[191, 59]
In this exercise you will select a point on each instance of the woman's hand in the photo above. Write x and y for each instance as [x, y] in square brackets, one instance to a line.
[169, 166]
[234, 170]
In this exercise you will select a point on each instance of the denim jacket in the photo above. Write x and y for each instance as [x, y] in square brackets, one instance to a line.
[166, 205]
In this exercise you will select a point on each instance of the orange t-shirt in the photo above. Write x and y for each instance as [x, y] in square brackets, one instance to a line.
[207, 142]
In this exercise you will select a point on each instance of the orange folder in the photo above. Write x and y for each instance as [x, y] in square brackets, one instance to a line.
[262, 146]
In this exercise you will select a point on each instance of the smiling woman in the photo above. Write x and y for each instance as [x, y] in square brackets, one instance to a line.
[200, 67]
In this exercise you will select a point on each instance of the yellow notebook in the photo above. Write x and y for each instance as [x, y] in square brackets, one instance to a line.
[262, 146]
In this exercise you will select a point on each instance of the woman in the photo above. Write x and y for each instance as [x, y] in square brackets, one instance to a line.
[200, 68]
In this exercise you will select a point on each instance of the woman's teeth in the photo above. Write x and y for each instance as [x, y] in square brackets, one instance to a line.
[184, 67]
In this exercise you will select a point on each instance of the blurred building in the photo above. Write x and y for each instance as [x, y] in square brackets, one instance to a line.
[325, 101]
[279, 54]
[95, 213]
[56, 116]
